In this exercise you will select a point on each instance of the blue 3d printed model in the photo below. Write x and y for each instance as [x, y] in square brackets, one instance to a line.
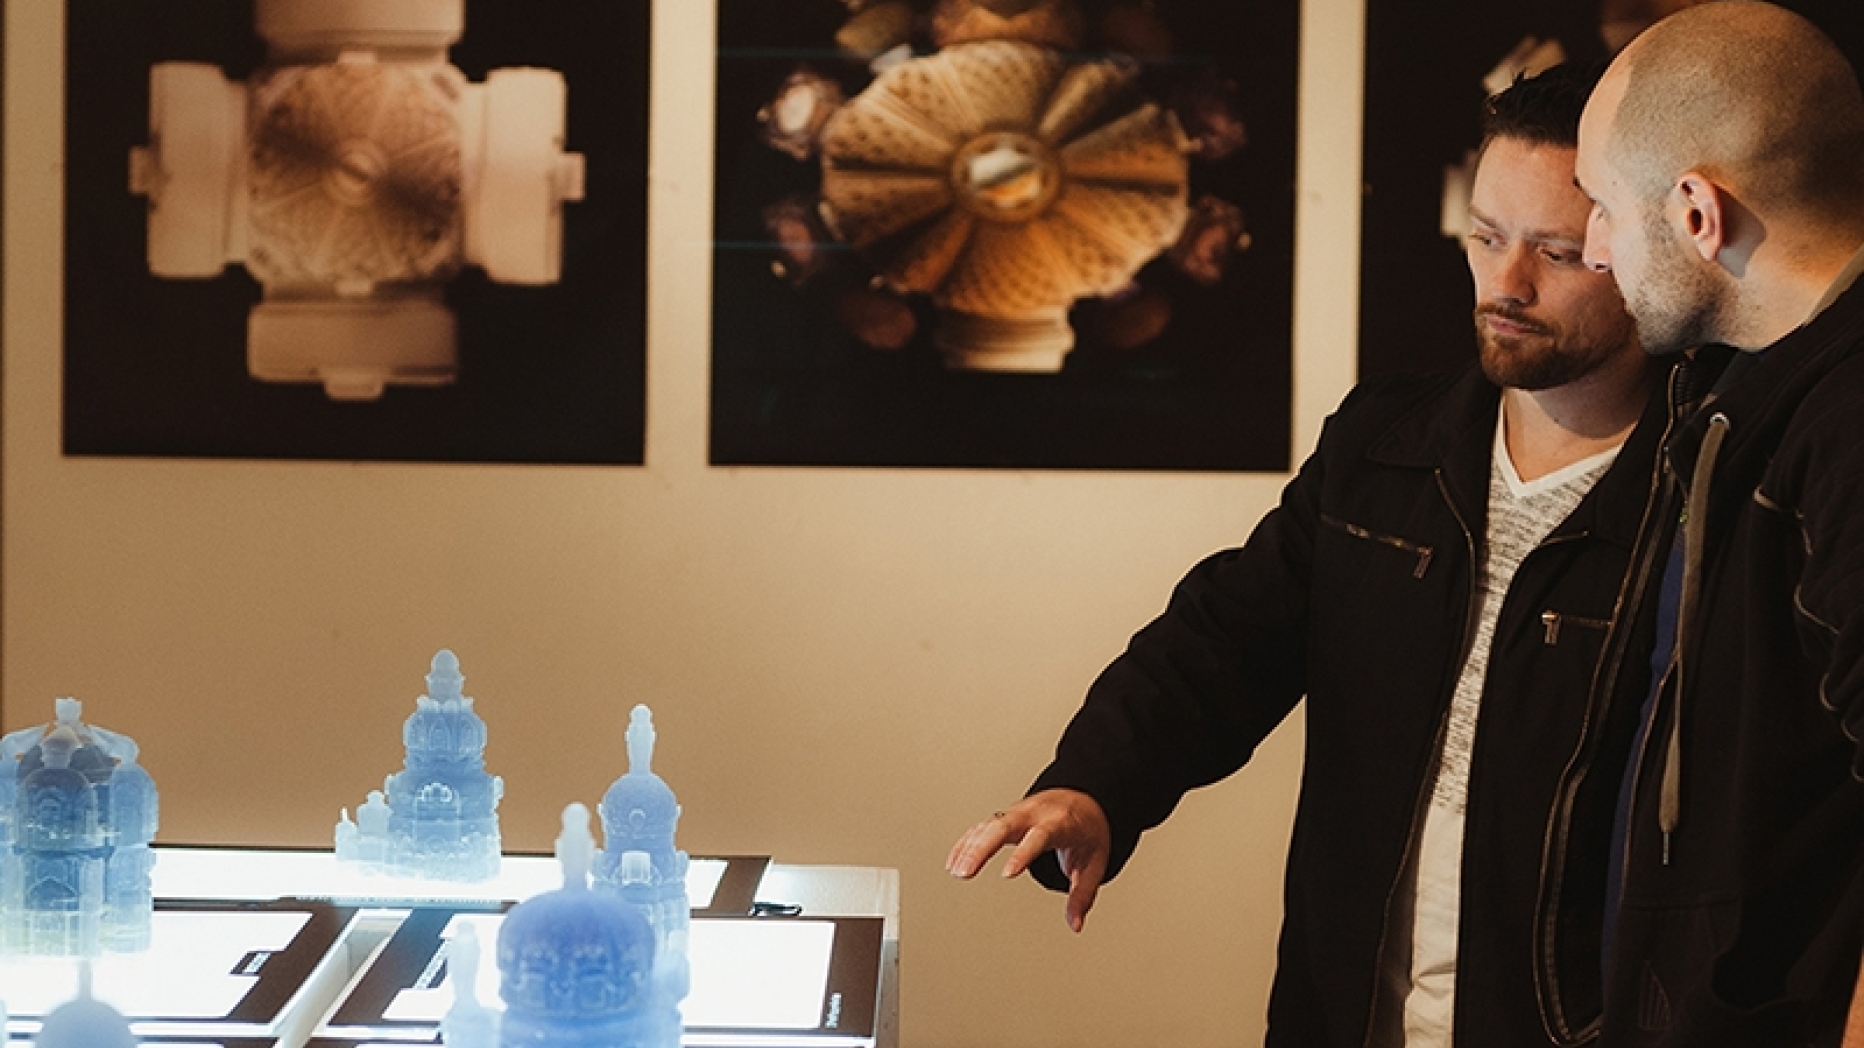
[576, 967]
[640, 863]
[77, 814]
[83, 1022]
[600, 965]
[438, 816]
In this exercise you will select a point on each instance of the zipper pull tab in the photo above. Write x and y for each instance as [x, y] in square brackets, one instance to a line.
[1551, 620]
[1666, 847]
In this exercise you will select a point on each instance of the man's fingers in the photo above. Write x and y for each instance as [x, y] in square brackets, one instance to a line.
[1060, 820]
[973, 850]
[1084, 875]
[1034, 843]
[959, 847]
[978, 844]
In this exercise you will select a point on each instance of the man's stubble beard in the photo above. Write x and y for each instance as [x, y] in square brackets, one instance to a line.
[1543, 359]
[1677, 304]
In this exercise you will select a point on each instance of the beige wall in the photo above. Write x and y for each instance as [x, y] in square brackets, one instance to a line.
[846, 666]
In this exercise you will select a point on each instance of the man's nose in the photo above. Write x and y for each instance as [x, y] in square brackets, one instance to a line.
[1513, 279]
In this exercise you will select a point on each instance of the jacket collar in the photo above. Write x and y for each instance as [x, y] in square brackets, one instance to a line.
[1846, 277]
[1761, 403]
[1454, 435]
[1436, 428]
[1451, 434]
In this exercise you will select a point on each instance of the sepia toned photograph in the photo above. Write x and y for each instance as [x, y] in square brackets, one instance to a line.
[395, 231]
[1004, 233]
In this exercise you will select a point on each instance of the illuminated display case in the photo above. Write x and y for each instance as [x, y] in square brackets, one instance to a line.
[270, 948]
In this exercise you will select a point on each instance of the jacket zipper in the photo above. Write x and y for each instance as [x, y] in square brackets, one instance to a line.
[1422, 553]
[1649, 721]
[1611, 662]
[1646, 564]
[1552, 621]
[1425, 783]
[1646, 727]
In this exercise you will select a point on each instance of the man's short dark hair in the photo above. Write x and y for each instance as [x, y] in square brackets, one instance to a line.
[1542, 110]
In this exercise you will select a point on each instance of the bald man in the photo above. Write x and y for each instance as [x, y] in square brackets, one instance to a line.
[1724, 155]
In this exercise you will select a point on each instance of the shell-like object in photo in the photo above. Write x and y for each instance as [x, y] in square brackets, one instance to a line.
[1006, 182]
[356, 173]
[1046, 23]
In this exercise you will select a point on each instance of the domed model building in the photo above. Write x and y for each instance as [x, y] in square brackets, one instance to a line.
[640, 814]
[77, 814]
[576, 966]
[639, 861]
[83, 1022]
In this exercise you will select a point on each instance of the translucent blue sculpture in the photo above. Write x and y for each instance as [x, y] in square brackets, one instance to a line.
[365, 841]
[440, 816]
[640, 863]
[75, 862]
[129, 896]
[83, 1021]
[468, 1023]
[576, 966]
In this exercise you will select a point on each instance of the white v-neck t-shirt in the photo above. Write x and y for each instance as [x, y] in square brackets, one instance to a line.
[1521, 514]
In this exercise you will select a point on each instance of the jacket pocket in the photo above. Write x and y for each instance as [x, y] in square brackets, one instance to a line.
[1553, 622]
[1663, 987]
[1421, 553]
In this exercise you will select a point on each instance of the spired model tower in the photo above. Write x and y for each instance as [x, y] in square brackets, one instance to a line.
[438, 816]
[640, 863]
[442, 806]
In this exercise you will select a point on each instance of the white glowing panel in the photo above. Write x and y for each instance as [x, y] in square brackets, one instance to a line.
[235, 874]
[766, 974]
[191, 970]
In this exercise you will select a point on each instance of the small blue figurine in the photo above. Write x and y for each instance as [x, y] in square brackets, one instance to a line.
[468, 1023]
[576, 966]
[640, 815]
[640, 863]
[75, 862]
[82, 1022]
[438, 816]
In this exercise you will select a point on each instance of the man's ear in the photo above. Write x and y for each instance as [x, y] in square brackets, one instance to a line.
[1700, 209]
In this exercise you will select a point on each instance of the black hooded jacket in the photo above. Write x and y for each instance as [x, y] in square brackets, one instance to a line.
[1743, 914]
[1357, 593]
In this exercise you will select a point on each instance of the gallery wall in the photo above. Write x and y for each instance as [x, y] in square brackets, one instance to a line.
[846, 665]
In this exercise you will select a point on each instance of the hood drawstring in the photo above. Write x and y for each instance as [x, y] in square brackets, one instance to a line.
[1695, 531]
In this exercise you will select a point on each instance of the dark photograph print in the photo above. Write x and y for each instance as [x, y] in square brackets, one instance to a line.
[1429, 69]
[1047, 234]
[401, 230]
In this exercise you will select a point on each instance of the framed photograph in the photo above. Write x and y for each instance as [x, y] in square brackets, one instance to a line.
[395, 231]
[1049, 234]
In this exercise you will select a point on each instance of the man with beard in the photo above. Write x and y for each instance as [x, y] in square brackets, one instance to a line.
[1724, 152]
[1450, 558]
